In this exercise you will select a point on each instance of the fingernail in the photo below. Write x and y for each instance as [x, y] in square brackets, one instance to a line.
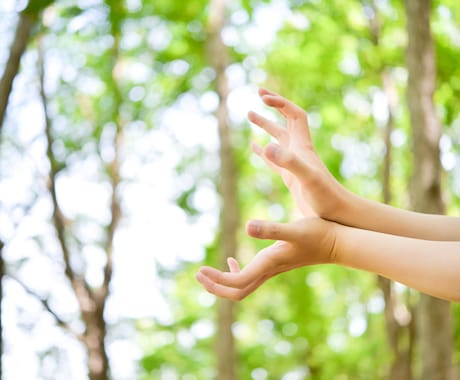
[253, 228]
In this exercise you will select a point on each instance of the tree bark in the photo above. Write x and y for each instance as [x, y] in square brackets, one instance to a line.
[229, 217]
[400, 333]
[94, 339]
[18, 47]
[91, 301]
[434, 316]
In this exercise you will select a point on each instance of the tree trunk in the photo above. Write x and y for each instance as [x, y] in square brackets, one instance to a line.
[94, 340]
[18, 47]
[434, 315]
[91, 301]
[400, 332]
[229, 218]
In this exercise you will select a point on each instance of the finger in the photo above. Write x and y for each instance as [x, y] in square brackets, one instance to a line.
[233, 265]
[261, 229]
[287, 108]
[268, 126]
[263, 91]
[256, 269]
[234, 294]
[285, 159]
[218, 289]
[257, 149]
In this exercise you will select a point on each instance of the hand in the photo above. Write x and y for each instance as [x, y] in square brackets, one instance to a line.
[305, 242]
[315, 190]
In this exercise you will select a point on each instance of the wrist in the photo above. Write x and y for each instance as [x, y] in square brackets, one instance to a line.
[336, 243]
[335, 238]
[343, 211]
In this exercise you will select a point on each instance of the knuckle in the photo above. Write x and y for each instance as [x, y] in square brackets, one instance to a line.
[238, 296]
[300, 114]
[290, 159]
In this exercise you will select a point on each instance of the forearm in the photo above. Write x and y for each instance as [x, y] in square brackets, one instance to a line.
[370, 215]
[432, 267]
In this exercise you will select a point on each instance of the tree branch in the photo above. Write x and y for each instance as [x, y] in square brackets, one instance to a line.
[79, 285]
[18, 47]
[114, 168]
[44, 302]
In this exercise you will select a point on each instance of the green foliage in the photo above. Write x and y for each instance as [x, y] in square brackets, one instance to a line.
[324, 323]
[34, 7]
[320, 322]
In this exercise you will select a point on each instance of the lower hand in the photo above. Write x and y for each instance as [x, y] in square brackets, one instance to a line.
[305, 242]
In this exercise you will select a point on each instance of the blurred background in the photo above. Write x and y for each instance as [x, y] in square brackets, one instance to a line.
[125, 165]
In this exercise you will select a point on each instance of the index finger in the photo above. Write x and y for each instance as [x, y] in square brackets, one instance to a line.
[287, 108]
[234, 294]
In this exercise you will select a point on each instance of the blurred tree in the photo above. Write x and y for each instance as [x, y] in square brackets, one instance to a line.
[228, 187]
[27, 19]
[112, 75]
[18, 46]
[400, 332]
[434, 315]
[91, 301]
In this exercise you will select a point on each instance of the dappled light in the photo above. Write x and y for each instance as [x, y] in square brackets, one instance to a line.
[126, 167]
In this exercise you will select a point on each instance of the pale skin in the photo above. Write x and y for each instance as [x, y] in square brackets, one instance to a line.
[419, 250]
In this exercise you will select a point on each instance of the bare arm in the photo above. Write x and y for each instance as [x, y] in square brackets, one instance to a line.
[371, 215]
[432, 267]
[315, 189]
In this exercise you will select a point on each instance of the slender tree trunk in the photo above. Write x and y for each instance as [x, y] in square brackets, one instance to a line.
[229, 219]
[400, 332]
[18, 47]
[98, 362]
[91, 301]
[434, 315]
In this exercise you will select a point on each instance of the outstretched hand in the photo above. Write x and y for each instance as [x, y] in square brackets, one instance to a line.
[315, 190]
[308, 241]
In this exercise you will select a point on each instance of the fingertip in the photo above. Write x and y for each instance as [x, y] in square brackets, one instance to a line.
[233, 265]
[256, 148]
[199, 277]
[266, 97]
[253, 228]
[273, 100]
[265, 91]
[206, 271]
[272, 151]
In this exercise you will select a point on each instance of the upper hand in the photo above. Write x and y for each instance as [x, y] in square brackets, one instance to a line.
[315, 190]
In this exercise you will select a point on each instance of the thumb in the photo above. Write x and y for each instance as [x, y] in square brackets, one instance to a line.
[261, 229]
[279, 156]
